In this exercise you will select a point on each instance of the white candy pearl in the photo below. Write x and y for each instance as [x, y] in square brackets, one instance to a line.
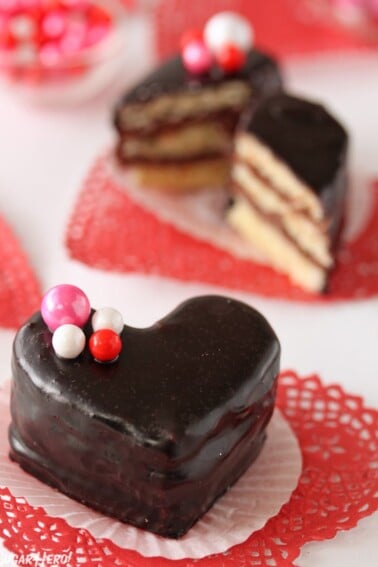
[22, 27]
[228, 27]
[107, 318]
[68, 341]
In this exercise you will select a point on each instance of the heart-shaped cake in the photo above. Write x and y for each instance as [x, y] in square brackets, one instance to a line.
[154, 437]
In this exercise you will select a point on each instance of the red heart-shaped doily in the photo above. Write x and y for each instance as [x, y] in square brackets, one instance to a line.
[109, 230]
[19, 288]
[338, 486]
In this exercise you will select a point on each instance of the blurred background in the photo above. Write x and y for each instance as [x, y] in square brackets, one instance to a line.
[69, 50]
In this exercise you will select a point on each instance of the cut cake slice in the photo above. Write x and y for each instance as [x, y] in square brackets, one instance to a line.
[289, 184]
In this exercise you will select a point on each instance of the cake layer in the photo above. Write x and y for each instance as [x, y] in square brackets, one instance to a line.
[181, 175]
[155, 437]
[310, 236]
[170, 110]
[191, 140]
[260, 158]
[282, 252]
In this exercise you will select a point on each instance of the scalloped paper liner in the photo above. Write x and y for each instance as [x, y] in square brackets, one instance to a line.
[20, 293]
[244, 509]
[338, 486]
[113, 228]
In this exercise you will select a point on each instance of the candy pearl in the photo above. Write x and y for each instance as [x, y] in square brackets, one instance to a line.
[64, 304]
[50, 55]
[230, 58]
[74, 38]
[107, 318]
[68, 341]
[54, 24]
[105, 345]
[25, 55]
[22, 27]
[228, 27]
[196, 57]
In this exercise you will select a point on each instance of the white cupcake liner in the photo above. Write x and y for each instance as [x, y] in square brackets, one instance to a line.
[244, 509]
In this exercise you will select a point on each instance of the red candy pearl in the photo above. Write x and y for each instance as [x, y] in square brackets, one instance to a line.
[230, 58]
[105, 345]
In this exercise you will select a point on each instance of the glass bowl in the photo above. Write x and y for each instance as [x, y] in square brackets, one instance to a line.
[75, 76]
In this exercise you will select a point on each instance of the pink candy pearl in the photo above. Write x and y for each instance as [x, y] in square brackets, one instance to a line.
[74, 38]
[65, 304]
[49, 55]
[54, 24]
[196, 57]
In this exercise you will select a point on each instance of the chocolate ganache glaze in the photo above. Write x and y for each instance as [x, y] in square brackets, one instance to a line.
[155, 437]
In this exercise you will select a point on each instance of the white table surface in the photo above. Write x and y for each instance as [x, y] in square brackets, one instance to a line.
[46, 152]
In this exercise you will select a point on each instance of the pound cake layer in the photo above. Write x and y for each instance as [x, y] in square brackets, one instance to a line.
[184, 142]
[192, 175]
[156, 437]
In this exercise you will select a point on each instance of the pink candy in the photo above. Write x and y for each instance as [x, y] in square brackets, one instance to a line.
[55, 31]
[196, 57]
[49, 55]
[54, 24]
[65, 304]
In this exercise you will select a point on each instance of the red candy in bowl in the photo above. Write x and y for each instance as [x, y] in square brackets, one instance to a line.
[61, 50]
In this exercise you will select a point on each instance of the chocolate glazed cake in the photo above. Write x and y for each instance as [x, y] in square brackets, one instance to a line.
[176, 129]
[155, 437]
[289, 183]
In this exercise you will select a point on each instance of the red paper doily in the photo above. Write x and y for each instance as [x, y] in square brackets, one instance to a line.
[108, 230]
[19, 289]
[285, 28]
[338, 486]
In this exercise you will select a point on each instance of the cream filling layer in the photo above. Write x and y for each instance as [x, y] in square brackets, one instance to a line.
[283, 254]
